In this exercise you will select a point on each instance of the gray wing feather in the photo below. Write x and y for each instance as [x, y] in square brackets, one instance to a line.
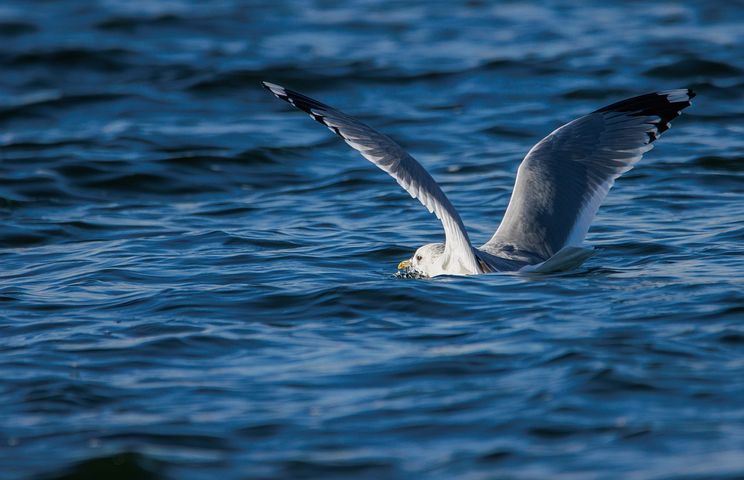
[382, 151]
[566, 176]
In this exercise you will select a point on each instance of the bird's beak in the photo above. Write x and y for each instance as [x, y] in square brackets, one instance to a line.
[404, 264]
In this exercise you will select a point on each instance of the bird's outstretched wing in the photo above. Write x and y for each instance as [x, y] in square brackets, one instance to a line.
[390, 157]
[564, 178]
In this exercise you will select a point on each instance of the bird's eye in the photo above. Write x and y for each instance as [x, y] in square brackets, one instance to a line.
[418, 257]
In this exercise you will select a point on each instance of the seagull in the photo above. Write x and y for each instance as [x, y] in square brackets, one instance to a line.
[560, 184]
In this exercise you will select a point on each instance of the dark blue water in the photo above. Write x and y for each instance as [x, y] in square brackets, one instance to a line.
[196, 281]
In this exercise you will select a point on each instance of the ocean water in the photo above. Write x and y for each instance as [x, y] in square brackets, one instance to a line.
[197, 281]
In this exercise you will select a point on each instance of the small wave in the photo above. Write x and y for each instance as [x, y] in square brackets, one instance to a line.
[608, 381]
[250, 79]
[717, 118]
[326, 76]
[42, 146]
[715, 162]
[596, 93]
[332, 467]
[107, 60]
[60, 395]
[226, 210]
[509, 132]
[496, 455]
[145, 183]
[120, 465]
[32, 235]
[131, 24]
[731, 336]
[57, 103]
[715, 89]
[254, 156]
[15, 238]
[693, 67]
[16, 28]
[638, 249]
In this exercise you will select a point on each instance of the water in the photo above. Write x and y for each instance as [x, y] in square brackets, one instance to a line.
[196, 281]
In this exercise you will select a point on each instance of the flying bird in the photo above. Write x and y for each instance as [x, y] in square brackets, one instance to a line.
[560, 184]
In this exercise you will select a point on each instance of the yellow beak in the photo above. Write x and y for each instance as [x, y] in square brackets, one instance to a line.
[404, 264]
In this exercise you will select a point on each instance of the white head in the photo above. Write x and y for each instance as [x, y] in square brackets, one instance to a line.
[428, 260]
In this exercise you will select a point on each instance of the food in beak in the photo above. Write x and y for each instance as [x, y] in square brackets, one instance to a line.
[404, 264]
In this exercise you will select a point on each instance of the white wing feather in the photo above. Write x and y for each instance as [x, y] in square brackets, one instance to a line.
[566, 176]
[382, 151]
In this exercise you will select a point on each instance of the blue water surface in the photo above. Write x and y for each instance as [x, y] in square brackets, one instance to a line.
[197, 281]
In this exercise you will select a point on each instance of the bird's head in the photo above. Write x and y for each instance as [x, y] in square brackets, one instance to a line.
[427, 261]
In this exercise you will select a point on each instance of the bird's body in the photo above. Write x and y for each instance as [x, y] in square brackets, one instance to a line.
[559, 186]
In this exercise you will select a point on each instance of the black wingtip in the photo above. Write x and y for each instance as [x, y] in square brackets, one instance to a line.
[296, 99]
[268, 85]
[679, 98]
[666, 105]
[277, 90]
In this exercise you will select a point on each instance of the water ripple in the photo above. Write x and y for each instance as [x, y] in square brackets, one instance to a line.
[197, 281]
